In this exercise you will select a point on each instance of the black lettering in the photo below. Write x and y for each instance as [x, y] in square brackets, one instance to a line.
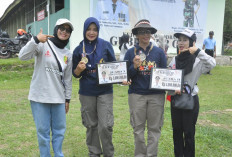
[113, 40]
[174, 43]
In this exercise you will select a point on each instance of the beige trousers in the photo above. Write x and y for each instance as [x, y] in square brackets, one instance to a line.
[146, 109]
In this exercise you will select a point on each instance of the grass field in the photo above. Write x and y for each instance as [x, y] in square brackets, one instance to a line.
[18, 135]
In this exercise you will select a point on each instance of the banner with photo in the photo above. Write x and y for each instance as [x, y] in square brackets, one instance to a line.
[167, 16]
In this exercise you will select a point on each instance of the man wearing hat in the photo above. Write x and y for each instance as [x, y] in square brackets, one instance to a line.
[146, 106]
[209, 45]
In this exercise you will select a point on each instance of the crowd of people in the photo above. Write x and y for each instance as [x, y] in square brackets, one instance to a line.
[51, 87]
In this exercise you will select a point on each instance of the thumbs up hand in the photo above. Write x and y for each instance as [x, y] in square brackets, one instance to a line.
[43, 37]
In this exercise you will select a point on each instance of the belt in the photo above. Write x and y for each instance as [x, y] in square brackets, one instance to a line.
[209, 50]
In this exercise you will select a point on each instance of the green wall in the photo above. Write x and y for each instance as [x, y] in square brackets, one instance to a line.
[63, 13]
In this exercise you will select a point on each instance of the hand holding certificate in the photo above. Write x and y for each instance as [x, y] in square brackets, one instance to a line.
[166, 79]
[112, 72]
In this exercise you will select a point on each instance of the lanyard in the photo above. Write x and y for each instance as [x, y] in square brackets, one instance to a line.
[90, 52]
[148, 51]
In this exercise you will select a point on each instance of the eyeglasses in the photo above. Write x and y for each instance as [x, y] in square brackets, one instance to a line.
[67, 30]
[143, 32]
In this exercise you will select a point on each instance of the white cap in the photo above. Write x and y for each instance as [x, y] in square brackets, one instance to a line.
[187, 33]
[64, 21]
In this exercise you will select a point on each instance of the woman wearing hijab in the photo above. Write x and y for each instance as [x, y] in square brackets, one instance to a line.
[194, 62]
[51, 85]
[96, 101]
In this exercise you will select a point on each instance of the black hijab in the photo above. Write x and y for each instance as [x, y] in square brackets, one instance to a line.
[56, 41]
[185, 60]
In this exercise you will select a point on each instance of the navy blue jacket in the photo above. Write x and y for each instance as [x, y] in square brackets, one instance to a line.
[141, 77]
[103, 52]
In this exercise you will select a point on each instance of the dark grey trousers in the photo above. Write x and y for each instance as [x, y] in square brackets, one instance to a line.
[97, 117]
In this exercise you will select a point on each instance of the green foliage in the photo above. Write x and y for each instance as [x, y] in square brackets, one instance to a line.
[18, 134]
[227, 30]
[228, 52]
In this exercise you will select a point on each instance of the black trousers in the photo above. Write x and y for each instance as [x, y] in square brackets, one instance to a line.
[183, 124]
[209, 52]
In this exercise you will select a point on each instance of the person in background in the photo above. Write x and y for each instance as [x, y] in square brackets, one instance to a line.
[162, 43]
[194, 62]
[123, 45]
[209, 45]
[146, 106]
[96, 101]
[152, 40]
[51, 85]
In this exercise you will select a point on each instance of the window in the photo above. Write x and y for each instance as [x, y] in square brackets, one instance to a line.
[59, 4]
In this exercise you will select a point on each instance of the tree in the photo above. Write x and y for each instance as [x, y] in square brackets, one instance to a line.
[227, 33]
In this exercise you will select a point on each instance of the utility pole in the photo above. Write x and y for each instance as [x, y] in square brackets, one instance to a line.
[48, 4]
[34, 19]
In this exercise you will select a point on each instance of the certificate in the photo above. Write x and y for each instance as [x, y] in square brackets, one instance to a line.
[112, 72]
[166, 79]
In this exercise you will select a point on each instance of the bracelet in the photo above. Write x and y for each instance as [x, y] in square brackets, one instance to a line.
[67, 100]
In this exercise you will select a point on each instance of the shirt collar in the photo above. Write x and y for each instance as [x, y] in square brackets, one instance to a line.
[140, 48]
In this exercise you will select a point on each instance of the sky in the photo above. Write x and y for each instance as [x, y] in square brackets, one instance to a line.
[4, 5]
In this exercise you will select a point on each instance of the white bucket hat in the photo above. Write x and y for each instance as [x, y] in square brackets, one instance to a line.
[64, 21]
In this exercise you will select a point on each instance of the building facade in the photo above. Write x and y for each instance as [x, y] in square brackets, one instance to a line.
[33, 14]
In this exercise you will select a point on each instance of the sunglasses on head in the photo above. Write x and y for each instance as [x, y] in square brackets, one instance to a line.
[143, 32]
[62, 28]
